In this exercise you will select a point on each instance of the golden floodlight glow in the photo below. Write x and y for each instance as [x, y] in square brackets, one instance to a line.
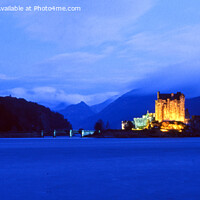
[172, 125]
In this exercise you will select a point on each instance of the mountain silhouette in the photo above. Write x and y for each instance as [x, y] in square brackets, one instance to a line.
[76, 113]
[99, 107]
[125, 107]
[19, 115]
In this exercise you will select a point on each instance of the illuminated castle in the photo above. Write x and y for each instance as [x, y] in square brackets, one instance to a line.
[170, 107]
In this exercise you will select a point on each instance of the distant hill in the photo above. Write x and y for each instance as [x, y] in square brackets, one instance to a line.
[19, 115]
[77, 113]
[99, 107]
[193, 105]
[124, 108]
[60, 106]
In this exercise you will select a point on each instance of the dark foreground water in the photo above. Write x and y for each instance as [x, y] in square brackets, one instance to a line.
[49, 169]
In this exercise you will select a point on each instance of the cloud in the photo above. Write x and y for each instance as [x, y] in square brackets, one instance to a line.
[44, 90]
[178, 77]
[17, 92]
[78, 57]
[81, 71]
[97, 23]
[70, 66]
[6, 78]
[52, 96]
[171, 47]
[100, 50]
[73, 51]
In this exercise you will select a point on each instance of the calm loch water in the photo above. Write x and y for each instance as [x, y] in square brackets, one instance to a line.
[63, 168]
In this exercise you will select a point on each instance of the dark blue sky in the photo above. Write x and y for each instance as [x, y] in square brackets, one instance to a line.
[108, 48]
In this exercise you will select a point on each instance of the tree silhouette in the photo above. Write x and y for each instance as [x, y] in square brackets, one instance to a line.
[99, 126]
[107, 125]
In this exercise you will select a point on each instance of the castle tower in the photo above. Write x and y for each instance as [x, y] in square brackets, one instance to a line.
[170, 107]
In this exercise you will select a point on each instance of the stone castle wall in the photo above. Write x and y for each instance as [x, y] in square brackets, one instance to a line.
[170, 108]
